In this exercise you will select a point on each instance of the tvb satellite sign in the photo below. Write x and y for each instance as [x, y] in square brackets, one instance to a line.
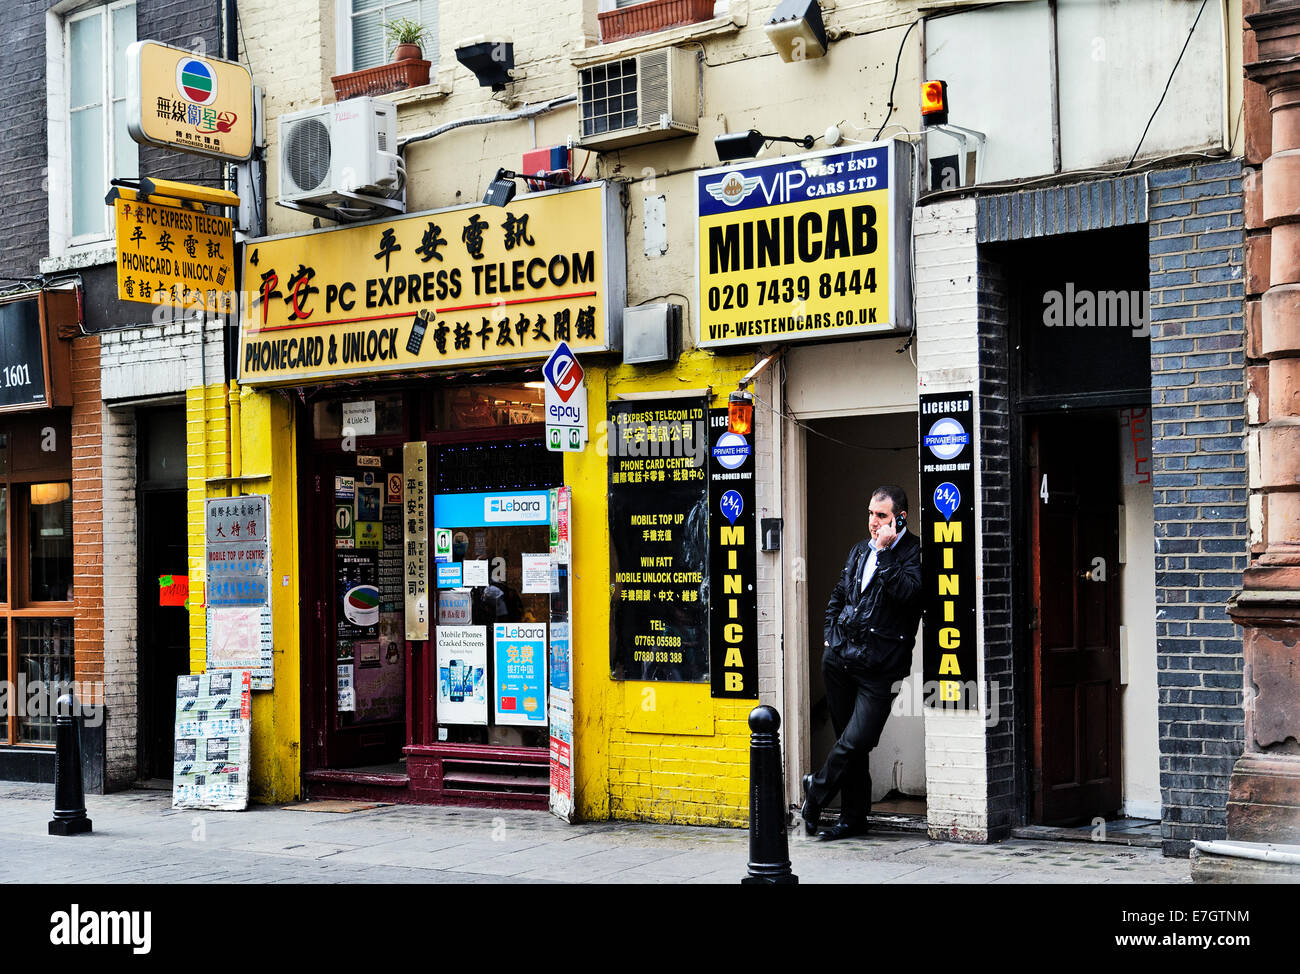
[566, 402]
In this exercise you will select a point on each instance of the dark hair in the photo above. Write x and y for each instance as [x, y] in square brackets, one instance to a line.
[894, 493]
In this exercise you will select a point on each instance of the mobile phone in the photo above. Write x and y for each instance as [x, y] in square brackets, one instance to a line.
[900, 522]
[457, 688]
[418, 327]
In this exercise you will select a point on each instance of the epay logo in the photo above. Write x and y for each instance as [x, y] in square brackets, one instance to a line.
[732, 188]
[563, 372]
[196, 81]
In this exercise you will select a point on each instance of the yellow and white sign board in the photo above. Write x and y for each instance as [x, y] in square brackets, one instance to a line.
[185, 101]
[172, 255]
[807, 247]
[449, 287]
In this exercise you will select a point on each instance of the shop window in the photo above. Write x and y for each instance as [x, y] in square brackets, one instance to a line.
[363, 41]
[49, 542]
[36, 581]
[369, 416]
[500, 465]
[480, 407]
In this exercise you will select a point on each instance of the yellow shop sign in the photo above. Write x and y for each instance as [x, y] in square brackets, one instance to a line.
[448, 287]
[172, 255]
[815, 246]
[181, 100]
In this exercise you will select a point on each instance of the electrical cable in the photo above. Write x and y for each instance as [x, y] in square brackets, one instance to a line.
[1188, 41]
[889, 106]
[826, 436]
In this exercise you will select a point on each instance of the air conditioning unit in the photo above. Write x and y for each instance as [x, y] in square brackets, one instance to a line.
[341, 156]
[651, 96]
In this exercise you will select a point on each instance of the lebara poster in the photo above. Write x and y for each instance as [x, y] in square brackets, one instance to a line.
[519, 692]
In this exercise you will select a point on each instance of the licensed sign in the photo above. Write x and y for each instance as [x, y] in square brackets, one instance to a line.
[809, 247]
[448, 287]
[733, 562]
[173, 256]
[181, 100]
[948, 565]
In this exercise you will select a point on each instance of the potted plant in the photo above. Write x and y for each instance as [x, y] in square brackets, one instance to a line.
[406, 35]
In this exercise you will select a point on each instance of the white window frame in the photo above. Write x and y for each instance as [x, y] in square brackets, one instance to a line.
[343, 37]
[59, 118]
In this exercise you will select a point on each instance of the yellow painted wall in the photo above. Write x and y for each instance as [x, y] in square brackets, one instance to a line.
[266, 445]
[661, 752]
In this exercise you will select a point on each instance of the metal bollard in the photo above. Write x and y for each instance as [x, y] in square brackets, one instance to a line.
[769, 850]
[69, 799]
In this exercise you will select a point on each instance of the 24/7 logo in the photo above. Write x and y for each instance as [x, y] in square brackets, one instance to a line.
[563, 372]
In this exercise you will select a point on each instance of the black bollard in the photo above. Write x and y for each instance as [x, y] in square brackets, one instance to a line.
[769, 850]
[69, 799]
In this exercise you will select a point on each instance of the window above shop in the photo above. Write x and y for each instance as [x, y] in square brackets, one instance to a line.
[363, 40]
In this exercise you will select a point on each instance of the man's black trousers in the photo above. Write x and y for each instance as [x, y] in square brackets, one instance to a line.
[859, 707]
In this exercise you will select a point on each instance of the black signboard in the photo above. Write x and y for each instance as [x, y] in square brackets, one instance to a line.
[948, 567]
[733, 562]
[22, 355]
[659, 539]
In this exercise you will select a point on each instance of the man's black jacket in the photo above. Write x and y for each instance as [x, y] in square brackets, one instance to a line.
[874, 631]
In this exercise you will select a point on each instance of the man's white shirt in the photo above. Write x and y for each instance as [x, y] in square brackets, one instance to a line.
[870, 570]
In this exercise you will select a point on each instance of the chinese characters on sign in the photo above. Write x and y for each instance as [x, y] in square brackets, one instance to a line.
[415, 528]
[519, 696]
[462, 285]
[180, 100]
[238, 586]
[659, 537]
[173, 256]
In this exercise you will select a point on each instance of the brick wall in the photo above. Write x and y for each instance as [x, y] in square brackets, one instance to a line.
[995, 490]
[1199, 471]
[87, 512]
[121, 676]
[948, 302]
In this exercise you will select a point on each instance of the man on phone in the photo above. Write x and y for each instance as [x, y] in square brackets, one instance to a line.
[871, 625]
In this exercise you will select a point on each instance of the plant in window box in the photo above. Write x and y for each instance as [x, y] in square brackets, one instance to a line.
[406, 35]
[408, 69]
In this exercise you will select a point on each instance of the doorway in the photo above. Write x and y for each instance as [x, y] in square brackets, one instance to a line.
[162, 642]
[845, 458]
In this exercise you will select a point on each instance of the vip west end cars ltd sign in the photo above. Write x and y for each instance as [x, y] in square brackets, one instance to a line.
[466, 284]
[811, 246]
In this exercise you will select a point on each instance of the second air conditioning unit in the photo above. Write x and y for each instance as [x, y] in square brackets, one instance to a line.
[645, 98]
[341, 160]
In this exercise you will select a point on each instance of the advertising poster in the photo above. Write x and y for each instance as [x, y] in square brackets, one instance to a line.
[415, 537]
[560, 661]
[347, 702]
[462, 674]
[519, 693]
[391, 560]
[561, 756]
[448, 574]
[733, 562]
[659, 539]
[804, 247]
[536, 572]
[380, 676]
[948, 569]
[212, 740]
[238, 589]
[455, 608]
[358, 594]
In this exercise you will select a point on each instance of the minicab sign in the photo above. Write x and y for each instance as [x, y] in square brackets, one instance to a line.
[807, 247]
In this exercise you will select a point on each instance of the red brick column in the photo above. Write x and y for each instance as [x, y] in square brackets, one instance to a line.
[87, 513]
[1264, 792]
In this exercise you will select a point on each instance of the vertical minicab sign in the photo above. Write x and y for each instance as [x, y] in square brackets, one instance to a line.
[566, 401]
[948, 575]
[183, 101]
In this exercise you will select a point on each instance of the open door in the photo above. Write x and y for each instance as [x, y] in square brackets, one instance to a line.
[1074, 579]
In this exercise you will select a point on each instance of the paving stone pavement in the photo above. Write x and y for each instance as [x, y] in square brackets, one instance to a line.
[139, 838]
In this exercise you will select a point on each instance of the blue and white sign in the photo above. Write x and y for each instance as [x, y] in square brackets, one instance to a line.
[732, 505]
[946, 438]
[947, 498]
[519, 690]
[449, 574]
[731, 450]
[492, 509]
[566, 401]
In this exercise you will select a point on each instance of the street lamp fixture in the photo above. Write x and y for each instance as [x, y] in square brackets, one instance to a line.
[746, 145]
[502, 189]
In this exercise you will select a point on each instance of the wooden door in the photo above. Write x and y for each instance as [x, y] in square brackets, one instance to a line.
[1074, 533]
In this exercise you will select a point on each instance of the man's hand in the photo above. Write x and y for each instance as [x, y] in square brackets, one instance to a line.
[886, 536]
